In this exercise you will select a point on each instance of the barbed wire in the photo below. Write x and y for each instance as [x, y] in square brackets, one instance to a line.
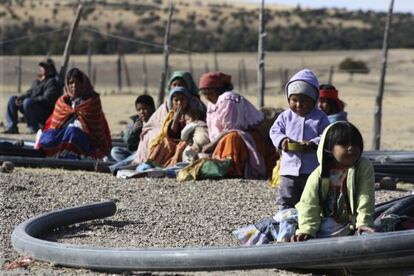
[119, 37]
[2, 42]
[137, 41]
[23, 68]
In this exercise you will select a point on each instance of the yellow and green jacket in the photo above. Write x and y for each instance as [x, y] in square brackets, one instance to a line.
[360, 188]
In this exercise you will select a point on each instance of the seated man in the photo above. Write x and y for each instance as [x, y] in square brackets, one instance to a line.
[38, 102]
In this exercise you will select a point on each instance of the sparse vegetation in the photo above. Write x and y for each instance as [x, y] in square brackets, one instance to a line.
[231, 28]
[354, 66]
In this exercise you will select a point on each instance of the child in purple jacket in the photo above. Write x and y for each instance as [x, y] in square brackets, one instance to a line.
[296, 132]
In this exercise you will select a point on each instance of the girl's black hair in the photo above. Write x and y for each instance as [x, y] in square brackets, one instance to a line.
[340, 133]
[146, 100]
[74, 73]
[196, 114]
[327, 87]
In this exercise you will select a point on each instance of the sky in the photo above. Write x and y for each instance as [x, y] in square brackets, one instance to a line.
[376, 5]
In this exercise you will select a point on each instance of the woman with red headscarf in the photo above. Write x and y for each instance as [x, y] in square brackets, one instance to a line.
[232, 125]
[77, 128]
[330, 103]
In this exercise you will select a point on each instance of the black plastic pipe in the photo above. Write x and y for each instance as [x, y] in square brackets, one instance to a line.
[86, 165]
[365, 251]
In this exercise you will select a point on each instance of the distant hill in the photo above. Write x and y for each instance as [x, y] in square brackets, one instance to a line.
[200, 26]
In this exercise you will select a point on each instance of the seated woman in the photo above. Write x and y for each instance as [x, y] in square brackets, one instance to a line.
[153, 127]
[77, 128]
[232, 125]
[166, 149]
[330, 103]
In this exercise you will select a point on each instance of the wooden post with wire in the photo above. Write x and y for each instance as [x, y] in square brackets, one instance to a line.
[94, 75]
[190, 42]
[216, 64]
[69, 44]
[261, 63]
[119, 72]
[240, 76]
[378, 99]
[166, 54]
[206, 69]
[331, 73]
[145, 74]
[244, 76]
[126, 71]
[19, 74]
[89, 59]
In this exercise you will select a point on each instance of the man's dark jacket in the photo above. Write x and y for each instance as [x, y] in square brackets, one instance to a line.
[45, 92]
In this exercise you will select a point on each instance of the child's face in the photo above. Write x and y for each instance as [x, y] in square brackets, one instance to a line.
[179, 101]
[301, 104]
[143, 111]
[324, 106]
[346, 156]
[188, 119]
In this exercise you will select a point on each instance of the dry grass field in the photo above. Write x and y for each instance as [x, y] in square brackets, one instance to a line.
[358, 93]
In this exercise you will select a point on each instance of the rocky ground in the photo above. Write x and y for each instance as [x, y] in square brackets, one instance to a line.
[150, 212]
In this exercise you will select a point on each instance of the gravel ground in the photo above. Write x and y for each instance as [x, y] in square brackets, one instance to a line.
[150, 212]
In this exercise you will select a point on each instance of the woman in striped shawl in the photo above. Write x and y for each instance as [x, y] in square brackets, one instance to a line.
[77, 129]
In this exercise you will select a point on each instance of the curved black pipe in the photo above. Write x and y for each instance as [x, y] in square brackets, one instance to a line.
[376, 250]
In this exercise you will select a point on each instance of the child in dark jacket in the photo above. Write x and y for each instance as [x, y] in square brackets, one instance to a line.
[144, 106]
[296, 132]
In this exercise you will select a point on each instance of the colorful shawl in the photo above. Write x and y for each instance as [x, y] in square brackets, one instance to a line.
[92, 119]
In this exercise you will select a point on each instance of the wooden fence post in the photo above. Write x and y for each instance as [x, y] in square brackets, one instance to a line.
[89, 59]
[261, 63]
[126, 70]
[245, 77]
[239, 77]
[206, 69]
[119, 72]
[378, 100]
[69, 43]
[166, 54]
[94, 75]
[145, 74]
[19, 74]
[190, 42]
[216, 64]
[331, 73]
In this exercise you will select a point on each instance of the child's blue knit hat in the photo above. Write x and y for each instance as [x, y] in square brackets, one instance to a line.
[303, 82]
[177, 90]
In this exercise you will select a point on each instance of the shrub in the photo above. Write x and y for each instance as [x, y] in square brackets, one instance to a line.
[354, 66]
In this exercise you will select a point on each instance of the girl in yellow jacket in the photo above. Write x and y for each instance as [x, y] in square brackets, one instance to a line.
[338, 198]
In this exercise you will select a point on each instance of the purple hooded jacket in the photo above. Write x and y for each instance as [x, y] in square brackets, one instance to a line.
[308, 128]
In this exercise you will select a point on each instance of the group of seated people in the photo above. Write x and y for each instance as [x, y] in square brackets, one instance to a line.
[228, 138]
[179, 132]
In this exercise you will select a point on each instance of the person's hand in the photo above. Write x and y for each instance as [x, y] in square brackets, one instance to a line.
[208, 148]
[19, 101]
[284, 144]
[309, 146]
[178, 113]
[138, 124]
[365, 229]
[194, 148]
[300, 237]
